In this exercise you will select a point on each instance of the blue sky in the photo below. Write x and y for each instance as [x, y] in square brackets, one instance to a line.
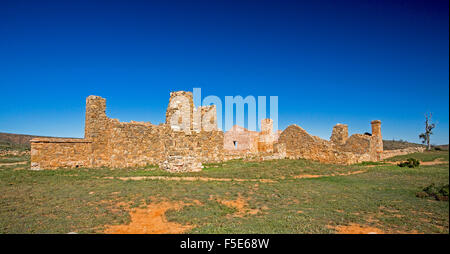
[328, 61]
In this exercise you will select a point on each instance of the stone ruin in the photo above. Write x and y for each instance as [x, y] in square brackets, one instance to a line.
[190, 137]
[242, 143]
[176, 146]
[341, 149]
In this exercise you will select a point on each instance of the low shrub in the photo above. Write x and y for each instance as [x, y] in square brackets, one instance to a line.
[410, 163]
[431, 189]
[444, 190]
[439, 193]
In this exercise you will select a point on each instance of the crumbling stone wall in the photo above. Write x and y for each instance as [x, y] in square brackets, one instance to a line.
[242, 143]
[241, 140]
[175, 145]
[205, 118]
[179, 114]
[341, 149]
[190, 137]
[339, 134]
[357, 143]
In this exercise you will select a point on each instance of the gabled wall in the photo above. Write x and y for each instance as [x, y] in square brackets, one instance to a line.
[341, 149]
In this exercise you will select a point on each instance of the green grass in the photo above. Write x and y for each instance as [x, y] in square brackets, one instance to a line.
[12, 158]
[83, 200]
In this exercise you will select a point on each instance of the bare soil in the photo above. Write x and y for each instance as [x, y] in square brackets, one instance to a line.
[151, 220]
[241, 205]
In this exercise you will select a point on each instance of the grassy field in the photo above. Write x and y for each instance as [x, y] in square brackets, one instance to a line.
[284, 196]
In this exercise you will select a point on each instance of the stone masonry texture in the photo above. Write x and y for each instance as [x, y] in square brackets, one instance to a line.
[190, 137]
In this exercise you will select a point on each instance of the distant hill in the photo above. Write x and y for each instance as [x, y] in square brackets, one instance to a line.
[400, 144]
[442, 147]
[11, 141]
[20, 139]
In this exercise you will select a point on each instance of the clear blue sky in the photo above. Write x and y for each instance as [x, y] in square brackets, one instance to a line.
[328, 61]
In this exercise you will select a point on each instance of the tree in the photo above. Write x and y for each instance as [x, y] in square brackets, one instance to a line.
[428, 127]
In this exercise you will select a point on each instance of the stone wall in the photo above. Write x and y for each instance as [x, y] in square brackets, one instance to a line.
[49, 153]
[340, 149]
[132, 144]
[205, 118]
[391, 153]
[111, 143]
[190, 137]
[266, 137]
[179, 114]
[339, 134]
[239, 139]
[242, 143]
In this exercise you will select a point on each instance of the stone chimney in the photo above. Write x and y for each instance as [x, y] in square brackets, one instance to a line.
[377, 139]
[266, 137]
[376, 128]
[267, 126]
[96, 120]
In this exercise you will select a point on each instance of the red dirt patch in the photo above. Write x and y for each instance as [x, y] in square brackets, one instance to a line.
[240, 204]
[151, 220]
[435, 162]
[354, 228]
[308, 176]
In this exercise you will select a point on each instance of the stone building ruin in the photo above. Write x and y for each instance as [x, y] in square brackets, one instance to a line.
[341, 149]
[242, 143]
[177, 145]
[190, 137]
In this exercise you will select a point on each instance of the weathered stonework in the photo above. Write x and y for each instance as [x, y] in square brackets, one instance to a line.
[115, 144]
[339, 134]
[190, 137]
[242, 143]
[341, 149]
[239, 139]
[60, 152]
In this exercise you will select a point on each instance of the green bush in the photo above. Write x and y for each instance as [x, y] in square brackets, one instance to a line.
[410, 163]
[431, 190]
[439, 193]
[444, 190]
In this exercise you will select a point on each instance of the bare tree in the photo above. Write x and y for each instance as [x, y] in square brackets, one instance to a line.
[428, 127]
